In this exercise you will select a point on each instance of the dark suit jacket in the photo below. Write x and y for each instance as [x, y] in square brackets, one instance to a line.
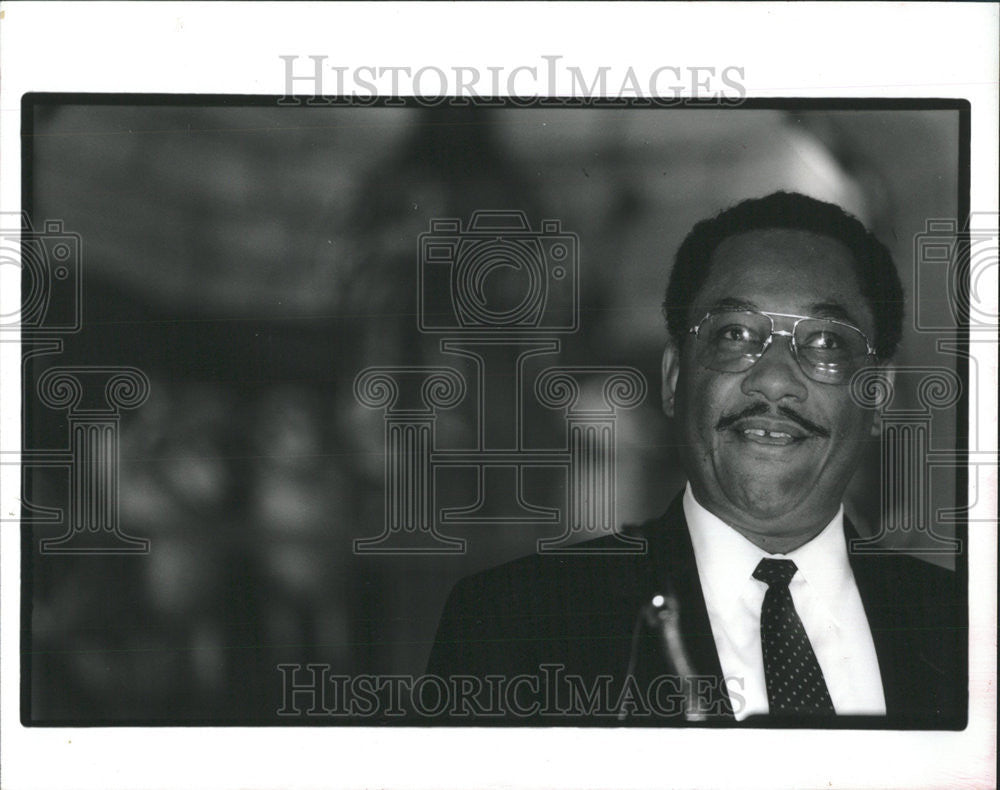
[578, 615]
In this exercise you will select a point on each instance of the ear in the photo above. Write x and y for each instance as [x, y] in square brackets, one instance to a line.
[889, 377]
[670, 370]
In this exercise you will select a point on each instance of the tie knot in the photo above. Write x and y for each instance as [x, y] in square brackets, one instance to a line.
[775, 572]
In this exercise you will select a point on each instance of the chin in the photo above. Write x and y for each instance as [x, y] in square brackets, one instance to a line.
[771, 499]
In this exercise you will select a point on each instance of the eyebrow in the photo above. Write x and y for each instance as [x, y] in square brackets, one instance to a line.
[832, 310]
[729, 303]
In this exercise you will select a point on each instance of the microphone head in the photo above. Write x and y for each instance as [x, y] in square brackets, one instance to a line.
[660, 607]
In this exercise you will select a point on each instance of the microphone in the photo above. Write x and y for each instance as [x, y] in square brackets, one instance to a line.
[662, 613]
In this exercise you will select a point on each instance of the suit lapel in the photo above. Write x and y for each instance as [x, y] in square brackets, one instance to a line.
[886, 608]
[908, 662]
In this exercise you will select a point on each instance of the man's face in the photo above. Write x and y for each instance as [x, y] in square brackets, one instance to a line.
[768, 450]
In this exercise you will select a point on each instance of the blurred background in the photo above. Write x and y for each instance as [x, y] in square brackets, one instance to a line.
[251, 260]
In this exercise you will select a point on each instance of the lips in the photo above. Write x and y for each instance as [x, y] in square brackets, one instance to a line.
[769, 431]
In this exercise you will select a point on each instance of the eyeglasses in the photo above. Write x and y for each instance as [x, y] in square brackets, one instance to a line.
[827, 351]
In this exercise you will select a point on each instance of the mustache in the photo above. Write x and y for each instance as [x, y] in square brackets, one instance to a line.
[760, 409]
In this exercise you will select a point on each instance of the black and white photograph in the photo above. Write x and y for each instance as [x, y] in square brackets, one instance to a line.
[389, 400]
[316, 365]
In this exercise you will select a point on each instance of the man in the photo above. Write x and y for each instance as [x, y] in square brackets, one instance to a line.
[747, 605]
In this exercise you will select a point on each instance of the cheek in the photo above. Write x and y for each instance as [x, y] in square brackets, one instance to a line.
[705, 398]
[850, 424]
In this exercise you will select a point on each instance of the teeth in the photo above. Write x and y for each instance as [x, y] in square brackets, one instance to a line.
[761, 432]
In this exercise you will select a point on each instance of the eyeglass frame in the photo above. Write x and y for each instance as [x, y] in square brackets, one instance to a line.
[871, 354]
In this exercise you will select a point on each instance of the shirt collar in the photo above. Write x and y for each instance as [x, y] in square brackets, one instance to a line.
[726, 560]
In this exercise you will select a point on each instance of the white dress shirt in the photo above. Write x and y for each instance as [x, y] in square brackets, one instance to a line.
[825, 597]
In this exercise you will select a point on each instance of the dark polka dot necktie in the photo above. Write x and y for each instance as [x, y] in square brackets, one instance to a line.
[795, 683]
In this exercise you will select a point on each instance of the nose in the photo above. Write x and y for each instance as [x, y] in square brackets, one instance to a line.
[776, 376]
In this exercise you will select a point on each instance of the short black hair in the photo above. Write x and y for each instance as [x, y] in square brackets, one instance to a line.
[878, 279]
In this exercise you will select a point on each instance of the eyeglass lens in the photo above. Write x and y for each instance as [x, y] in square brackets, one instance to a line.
[827, 351]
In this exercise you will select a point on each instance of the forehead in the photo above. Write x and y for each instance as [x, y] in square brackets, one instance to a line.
[785, 271]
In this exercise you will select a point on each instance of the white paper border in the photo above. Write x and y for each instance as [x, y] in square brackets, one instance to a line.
[918, 50]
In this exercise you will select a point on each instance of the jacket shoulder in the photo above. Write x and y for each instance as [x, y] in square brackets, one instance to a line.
[545, 581]
[906, 579]
[538, 608]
